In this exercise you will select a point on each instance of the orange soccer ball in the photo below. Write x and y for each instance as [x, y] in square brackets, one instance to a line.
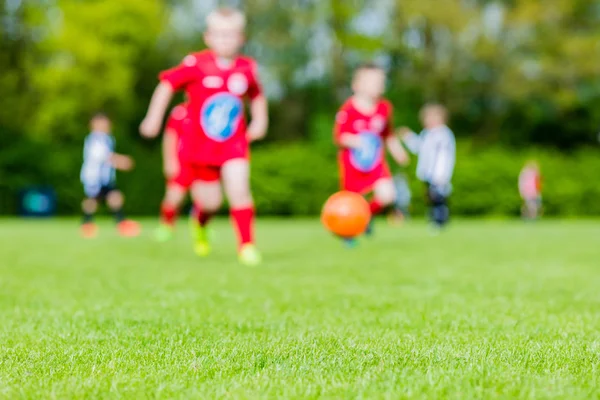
[346, 214]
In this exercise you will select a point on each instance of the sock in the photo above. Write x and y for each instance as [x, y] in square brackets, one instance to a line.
[203, 216]
[168, 215]
[243, 221]
[87, 218]
[375, 207]
[119, 215]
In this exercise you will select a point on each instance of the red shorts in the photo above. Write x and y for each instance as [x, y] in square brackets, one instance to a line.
[361, 182]
[189, 173]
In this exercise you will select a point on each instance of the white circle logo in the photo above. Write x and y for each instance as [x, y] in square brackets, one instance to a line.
[360, 125]
[190, 61]
[237, 84]
[377, 124]
[179, 113]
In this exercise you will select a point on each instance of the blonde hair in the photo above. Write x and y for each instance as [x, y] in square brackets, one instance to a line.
[434, 108]
[226, 15]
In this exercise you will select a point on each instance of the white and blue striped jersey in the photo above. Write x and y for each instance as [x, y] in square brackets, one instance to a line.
[436, 149]
[97, 170]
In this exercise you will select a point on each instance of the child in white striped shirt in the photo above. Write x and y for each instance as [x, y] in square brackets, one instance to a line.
[98, 177]
[436, 148]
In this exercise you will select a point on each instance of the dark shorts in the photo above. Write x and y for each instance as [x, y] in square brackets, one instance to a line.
[99, 192]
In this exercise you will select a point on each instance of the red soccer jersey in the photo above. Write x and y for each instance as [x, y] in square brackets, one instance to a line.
[217, 124]
[176, 124]
[361, 168]
[177, 119]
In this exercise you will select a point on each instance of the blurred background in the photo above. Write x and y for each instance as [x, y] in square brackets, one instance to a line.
[520, 77]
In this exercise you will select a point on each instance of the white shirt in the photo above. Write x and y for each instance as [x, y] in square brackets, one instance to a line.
[436, 149]
[97, 170]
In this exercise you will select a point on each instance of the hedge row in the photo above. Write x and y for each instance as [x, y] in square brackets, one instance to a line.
[295, 179]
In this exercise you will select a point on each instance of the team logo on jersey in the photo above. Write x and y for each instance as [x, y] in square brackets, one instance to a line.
[237, 84]
[341, 117]
[179, 113]
[360, 125]
[190, 60]
[212, 82]
[220, 116]
[370, 155]
[377, 124]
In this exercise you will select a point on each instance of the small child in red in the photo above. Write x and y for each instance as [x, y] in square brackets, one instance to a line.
[215, 147]
[363, 130]
[530, 189]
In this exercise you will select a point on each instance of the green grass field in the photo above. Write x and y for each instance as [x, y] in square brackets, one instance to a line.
[487, 310]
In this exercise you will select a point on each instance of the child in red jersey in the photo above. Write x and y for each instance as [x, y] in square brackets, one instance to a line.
[215, 145]
[363, 129]
[530, 189]
[178, 183]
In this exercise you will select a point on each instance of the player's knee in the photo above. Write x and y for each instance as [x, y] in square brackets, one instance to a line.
[173, 197]
[115, 199]
[240, 198]
[386, 195]
[89, 206]
[209, 204]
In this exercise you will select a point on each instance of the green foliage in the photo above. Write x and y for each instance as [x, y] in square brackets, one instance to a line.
[292, 180]
[90, 60]
[512, 73]
[295, 179]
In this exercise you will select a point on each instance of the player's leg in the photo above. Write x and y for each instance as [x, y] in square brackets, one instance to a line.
[440, 213]
[115, 201]
[236, 182]
[384, 196]
[174, 197]
[89, 206]
[207, 198]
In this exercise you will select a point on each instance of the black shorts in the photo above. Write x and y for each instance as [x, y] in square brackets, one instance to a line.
[99, 192]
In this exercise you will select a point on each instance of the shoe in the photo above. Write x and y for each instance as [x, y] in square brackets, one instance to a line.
[200, 238]
[128, 228]
[350, 243]
[164, 233]
[435, 230]
[250, 256]
[370, 229]
[89, 230]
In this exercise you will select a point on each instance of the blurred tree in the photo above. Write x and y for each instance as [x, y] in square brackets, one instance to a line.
[89, 57]
[16, 42]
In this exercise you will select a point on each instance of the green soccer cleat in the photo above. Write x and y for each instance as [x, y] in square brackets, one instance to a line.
[164, 233]
[200, 238]
[250, 256]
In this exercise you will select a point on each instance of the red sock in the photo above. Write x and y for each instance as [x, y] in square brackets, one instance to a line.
[203, 217]
[375, 207]
[168, 215]
[243, 221]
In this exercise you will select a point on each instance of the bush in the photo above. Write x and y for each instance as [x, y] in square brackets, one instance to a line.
[295, 179]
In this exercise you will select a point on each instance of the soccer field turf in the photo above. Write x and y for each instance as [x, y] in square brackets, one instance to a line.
[486, 310]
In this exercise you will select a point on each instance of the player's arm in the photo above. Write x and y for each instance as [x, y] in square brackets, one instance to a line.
[341, 136]
[150, 126]
[411, 140]
[395, 148]
[349, 141]
[170, 159]
[171, 81]
[121, 161]
[259, 122]
[392, 143]
[259, 107]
